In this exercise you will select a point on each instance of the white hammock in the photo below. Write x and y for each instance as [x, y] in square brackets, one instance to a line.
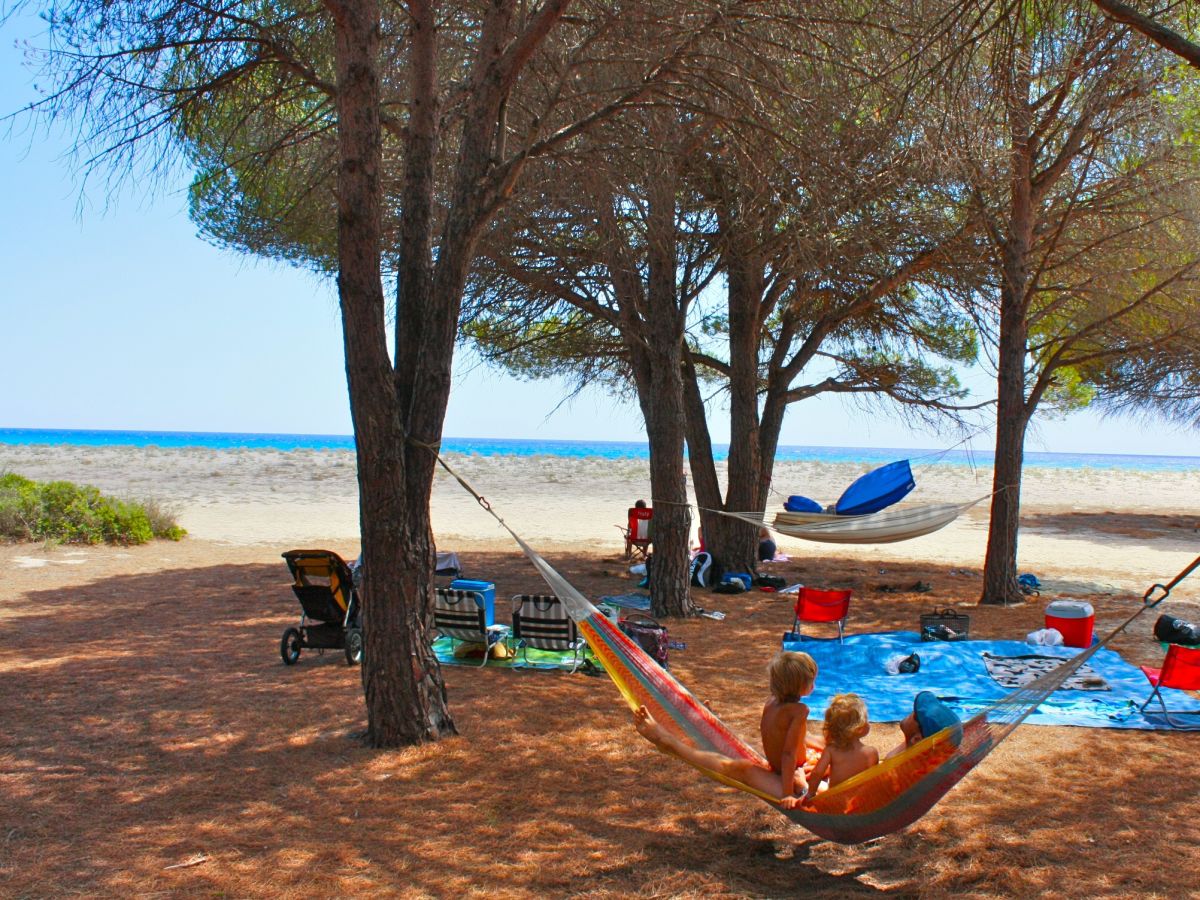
[884, 527]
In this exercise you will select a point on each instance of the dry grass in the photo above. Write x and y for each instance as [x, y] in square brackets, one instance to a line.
[152, 743]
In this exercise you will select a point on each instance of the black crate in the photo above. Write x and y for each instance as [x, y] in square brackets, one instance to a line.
[932, 625]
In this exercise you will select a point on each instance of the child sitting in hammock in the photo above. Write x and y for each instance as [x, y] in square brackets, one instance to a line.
[845, 753]
[784, 728]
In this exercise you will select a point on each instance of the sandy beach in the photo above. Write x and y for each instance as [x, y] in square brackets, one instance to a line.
[1105, 529]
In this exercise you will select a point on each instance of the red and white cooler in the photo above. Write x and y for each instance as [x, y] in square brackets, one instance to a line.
[1074, 620]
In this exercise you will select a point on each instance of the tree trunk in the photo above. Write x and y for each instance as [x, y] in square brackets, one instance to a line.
[670, 594]
[1012, 413]
[1000, 585]
[732, 542]
[658, 366]
[405, 699]
[700, 453]
[1000, 565]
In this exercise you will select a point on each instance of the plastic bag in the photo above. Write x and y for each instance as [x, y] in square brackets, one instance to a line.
[1045, 637]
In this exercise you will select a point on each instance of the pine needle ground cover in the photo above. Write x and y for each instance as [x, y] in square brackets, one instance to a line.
[153, 742]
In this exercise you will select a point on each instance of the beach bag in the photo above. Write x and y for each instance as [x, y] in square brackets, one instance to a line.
[1171, 630]
[705, 571]
[945, 625]
[645, 631]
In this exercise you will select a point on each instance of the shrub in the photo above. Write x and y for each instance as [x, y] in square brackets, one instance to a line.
[164, 519]
[64, 511]
[19, 506]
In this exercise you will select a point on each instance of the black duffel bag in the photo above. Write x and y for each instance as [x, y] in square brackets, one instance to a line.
[1171, 630]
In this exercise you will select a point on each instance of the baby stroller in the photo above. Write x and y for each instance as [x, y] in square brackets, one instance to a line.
[329, 619]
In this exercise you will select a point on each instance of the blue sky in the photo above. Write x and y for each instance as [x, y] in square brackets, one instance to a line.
[117, 316]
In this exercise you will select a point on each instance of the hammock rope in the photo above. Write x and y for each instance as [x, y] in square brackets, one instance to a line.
[877, 802]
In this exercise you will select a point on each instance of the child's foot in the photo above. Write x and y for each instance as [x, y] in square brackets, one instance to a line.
[648, 728]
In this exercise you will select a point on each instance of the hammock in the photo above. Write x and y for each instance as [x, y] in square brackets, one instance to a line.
[874, 803]
[884, 527]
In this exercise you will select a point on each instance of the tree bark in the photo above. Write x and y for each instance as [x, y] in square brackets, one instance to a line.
[734, 542]
[1000, 565]
[657, 362]
[1155, 31]
[1012, 413]
[405, 699]
[669, 577]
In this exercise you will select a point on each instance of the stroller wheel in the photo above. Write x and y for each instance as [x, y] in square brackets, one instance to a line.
[354, 646]
[289, 647]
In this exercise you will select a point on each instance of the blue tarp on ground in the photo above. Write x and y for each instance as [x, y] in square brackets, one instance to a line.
[956, 672]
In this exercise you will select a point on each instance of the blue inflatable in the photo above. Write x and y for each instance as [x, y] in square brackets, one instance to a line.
[876, 490]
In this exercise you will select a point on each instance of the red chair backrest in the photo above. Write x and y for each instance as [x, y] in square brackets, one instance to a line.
[815, 605]
[639, 524]
[1181, 668]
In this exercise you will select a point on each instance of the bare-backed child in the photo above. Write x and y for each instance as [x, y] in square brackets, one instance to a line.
[784, 728]
[845, 753]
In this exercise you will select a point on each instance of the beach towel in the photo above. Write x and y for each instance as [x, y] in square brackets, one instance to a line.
[1017, 671]
[530, 659]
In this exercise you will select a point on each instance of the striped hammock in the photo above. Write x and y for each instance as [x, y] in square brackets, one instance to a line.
[884, 527]
[877, 802]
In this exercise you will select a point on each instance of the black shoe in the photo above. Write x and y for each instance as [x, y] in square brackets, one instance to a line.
[910, 665]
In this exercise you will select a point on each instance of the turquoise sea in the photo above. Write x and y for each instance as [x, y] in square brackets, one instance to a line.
[604, 449]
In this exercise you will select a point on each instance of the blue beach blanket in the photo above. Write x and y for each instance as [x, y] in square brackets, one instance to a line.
[957, 673]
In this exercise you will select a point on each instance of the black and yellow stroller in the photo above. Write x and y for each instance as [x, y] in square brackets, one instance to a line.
[330, 607]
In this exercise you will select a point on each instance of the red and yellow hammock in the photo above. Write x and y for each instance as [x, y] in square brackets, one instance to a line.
[879, 801]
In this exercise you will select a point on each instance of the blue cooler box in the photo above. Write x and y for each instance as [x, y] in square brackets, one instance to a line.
[485, 588]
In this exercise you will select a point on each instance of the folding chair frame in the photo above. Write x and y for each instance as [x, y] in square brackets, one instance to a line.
[556, 630]
[841, 623]
[466, 626]
[1155, 677]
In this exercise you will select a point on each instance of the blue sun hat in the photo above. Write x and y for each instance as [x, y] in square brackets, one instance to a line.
[933, 716]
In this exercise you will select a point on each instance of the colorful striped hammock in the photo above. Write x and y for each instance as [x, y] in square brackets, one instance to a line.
[877, 802]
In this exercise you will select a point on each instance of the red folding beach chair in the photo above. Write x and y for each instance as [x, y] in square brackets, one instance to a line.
[815, 605]
[637, 532]
[1180, 669]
